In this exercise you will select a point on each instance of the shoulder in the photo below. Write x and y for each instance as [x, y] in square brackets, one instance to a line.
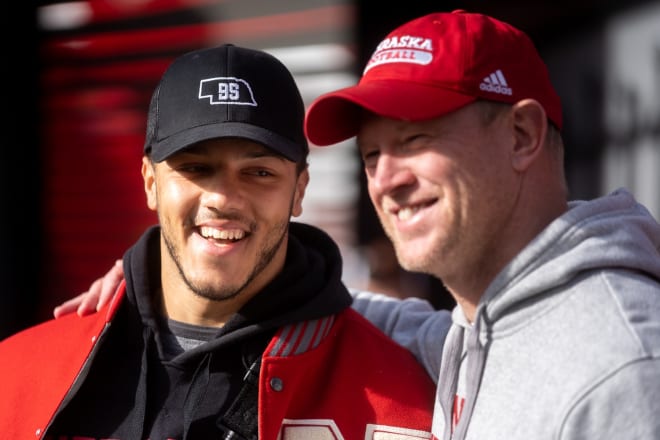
[39, 333]
[355, 330]
[51, 336]
[57, 338]
[634, 387]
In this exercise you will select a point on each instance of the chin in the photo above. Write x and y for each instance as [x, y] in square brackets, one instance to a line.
[409, 262]
[419, 260]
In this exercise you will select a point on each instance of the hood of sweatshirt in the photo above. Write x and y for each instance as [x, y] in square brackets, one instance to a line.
[309, 286]
[611, 232]
[155, 393]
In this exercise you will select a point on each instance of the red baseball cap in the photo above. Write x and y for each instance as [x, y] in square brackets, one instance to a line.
[434, 65]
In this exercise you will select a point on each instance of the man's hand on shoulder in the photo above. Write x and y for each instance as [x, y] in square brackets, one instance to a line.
[99, 294]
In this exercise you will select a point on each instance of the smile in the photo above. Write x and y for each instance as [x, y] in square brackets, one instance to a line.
[221, 234]
[407, 212]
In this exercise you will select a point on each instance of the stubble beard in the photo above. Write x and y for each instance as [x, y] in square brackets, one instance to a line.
[425, 262]
[227, 291]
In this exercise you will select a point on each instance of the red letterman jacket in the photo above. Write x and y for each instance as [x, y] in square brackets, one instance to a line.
[337, 377]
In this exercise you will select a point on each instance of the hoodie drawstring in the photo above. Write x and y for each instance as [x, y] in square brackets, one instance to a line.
[240, 422]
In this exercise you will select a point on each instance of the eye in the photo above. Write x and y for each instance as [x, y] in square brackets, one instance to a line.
[416, 142]
[261, 173]
[369, 156]
[193, 168]
[370, 161]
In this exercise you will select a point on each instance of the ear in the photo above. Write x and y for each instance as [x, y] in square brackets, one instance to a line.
[149, 177]
[301, 185]
[530, 125]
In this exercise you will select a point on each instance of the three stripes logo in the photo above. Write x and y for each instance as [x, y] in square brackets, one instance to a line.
[496, 83]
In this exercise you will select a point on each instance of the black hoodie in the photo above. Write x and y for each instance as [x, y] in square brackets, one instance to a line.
[137, 388]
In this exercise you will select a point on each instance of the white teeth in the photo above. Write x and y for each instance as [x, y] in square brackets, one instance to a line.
[407, 212]
[221, 234]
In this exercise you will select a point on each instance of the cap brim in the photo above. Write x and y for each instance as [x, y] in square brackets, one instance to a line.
[182, 140]
[335, 117]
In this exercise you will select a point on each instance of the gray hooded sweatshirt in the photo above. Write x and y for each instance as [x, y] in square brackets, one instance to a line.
[566, 339]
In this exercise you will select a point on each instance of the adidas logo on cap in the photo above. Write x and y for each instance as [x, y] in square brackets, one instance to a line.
[496, 83]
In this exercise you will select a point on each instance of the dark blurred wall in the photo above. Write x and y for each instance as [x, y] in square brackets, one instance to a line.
[20, 231]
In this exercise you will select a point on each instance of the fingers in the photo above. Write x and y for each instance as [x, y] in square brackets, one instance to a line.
[100, 293]
[89, 300]
[71, 306]
[110, 283]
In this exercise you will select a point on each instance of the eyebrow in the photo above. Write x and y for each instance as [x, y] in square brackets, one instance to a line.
[265, 152]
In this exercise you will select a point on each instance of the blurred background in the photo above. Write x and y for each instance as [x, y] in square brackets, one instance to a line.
[77, 77]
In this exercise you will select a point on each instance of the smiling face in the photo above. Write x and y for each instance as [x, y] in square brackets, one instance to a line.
[224, 207]
[443, 188]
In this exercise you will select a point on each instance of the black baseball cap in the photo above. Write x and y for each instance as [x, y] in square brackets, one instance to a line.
[223, 92]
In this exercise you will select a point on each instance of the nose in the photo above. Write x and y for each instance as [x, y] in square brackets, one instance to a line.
[391, 173]
[220, 191]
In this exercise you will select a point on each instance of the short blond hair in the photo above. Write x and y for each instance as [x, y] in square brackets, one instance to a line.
[491, 110]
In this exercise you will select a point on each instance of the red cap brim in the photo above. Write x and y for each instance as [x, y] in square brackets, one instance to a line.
[335, 117]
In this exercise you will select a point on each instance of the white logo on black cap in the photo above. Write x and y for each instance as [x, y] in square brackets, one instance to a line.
[226, 90]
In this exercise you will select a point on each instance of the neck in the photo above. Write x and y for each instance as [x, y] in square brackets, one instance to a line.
[469, 284]
[190, 308]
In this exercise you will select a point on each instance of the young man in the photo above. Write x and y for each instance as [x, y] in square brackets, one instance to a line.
[556, 334]
[232, 322]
